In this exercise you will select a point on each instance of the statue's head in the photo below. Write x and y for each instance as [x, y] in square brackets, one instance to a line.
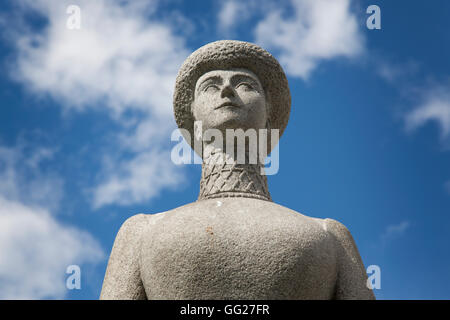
[231, 85]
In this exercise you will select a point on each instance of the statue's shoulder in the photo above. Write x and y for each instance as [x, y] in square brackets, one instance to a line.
[136, 224]
[130, 230]
[323, 226]
[337, 229]
[339, 232]
[330, 226]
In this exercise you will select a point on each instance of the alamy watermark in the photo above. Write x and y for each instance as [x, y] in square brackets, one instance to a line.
[374, 279]
[73, 281]
[74, 20]
[239, 147]
[374, 20]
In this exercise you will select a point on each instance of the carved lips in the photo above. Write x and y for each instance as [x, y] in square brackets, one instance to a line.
[227, 104]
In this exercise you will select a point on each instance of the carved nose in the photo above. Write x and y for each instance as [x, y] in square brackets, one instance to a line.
[227, 92]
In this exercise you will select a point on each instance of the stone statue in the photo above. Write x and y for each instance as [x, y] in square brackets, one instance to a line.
[233, 242]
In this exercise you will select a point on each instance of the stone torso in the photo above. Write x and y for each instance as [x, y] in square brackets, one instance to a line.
[236, 248]
[234, 243]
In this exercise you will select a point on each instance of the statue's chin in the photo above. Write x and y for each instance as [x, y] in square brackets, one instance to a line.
[232, 124]
[229, 118]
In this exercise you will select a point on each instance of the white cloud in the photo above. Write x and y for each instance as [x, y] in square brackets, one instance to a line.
[138, 180]
[318, 30]
[118, 59]
[22, 180]
[228, 13]
[35, 248]
[435, 107]
[394, 231]
[122, 60]
[35, 251]
[233, 12]
[396, 72]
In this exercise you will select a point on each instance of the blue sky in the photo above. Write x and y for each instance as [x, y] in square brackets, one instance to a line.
[86, 118]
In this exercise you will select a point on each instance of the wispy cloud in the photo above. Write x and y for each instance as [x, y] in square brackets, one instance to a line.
[138, 180]
[428, 99]
[228, 13]
[233, 13]
[35, 248]
[447, 187]
[395, 73]
[435, 107]
[394, 231]
[21, 177]
[317, 31]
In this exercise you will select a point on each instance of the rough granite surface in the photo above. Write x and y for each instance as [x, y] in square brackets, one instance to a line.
[234, 248]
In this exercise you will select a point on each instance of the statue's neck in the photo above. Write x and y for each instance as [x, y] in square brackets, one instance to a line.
[222, 179]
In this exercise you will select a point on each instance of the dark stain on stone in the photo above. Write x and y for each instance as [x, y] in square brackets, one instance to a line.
[209, 230]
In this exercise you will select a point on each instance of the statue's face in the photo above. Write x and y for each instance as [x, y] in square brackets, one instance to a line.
[230, 99]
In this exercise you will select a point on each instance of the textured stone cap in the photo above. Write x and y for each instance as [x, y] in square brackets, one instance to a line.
[228, 54]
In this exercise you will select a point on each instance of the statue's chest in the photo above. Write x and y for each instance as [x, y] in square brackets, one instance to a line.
[215, 256]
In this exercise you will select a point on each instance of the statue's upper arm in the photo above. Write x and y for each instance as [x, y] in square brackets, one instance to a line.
[352, 277]
[122, 277]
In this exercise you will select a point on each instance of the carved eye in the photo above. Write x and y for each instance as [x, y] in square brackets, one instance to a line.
[245, 85]
[211, 88]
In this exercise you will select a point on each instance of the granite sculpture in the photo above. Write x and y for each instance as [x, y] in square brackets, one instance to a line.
[234, 242]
